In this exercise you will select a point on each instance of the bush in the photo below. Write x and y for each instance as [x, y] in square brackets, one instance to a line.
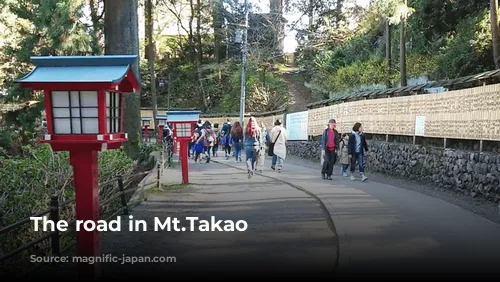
[145, 159]
[28, 180]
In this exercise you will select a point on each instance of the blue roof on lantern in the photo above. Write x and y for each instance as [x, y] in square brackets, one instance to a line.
[88, 69]
[161, 116]
[145, 118]
[179, 116]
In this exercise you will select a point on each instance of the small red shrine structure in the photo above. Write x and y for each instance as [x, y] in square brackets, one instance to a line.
[84, 108]
[183, 124]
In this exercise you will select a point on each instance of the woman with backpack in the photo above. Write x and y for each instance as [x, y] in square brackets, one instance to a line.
[237, 138]
[225, 142]
[252, 145]
[208, 139]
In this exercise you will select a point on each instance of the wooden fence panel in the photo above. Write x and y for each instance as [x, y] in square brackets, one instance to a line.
[472, 113]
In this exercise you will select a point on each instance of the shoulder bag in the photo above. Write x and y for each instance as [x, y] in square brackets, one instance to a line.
[270, 151]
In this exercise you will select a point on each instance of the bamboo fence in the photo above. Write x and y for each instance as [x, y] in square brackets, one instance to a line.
[472, 113]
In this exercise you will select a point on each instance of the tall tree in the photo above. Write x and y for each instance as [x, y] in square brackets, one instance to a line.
[96, 31]
[276, 9]
[495, 33]
[388, 52]
[151, 57]
[217, 19]
[121, 31]
[402, 49]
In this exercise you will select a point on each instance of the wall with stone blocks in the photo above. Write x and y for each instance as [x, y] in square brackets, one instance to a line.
[473, 173]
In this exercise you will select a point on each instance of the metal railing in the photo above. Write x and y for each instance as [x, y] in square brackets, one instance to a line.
[54, 214]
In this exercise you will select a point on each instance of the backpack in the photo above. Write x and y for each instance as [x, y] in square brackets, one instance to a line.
[210, 136]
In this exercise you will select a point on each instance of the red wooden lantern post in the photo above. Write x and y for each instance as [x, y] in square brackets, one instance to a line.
[84, 108]
[183, 123]
[162, 120]
[146, 122]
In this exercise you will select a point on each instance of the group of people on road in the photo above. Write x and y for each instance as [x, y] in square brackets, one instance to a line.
[255, 140]
[351, 146]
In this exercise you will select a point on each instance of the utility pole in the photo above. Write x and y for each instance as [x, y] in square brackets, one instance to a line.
[244, 65]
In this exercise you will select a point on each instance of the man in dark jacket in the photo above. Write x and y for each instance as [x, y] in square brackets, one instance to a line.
[331, 141]
[357, 149]
[227, 127]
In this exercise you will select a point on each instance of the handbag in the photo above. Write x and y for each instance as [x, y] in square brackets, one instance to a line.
[270, 151]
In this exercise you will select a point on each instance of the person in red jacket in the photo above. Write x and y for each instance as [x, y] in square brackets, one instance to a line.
[331, 139]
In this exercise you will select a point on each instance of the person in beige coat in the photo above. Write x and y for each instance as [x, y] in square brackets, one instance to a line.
[279, 138]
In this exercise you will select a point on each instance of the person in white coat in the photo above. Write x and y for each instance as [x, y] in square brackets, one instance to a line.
[279, 138]
[262, 148]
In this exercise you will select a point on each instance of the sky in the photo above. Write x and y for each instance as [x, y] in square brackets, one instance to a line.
[290, 44]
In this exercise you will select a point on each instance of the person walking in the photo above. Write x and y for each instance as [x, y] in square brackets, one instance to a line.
[278, 138]
[331, 140]
[322, 149]
[215, 147]
[344, 154]
[357, 149]
[252, 145]
[227, 126]
[237, 137]
[208, 139]
[261, 154]
[197, 147]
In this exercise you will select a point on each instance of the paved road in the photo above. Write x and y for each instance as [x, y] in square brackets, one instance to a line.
[294, 218]
[288, 231]
[388, 229]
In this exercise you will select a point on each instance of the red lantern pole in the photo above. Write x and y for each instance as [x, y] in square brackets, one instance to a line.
[184, 160]
[85, 170]
[161, 132]
[146, 133]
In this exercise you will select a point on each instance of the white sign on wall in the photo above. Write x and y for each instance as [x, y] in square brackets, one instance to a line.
[296, 125]
[420, 126]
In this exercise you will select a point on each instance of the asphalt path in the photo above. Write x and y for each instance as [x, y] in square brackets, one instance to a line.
[392, 230]
[289, 232]
[301, 226]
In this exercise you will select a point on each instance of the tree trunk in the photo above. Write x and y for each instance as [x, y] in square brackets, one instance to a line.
[198, 31]
[151, 58]
[190, 34]
[402, 55]
[217, 26]
[338, 18]
[310, 37]
[121, 30]
[199, 49]
[495, 33]
[276, 9]
[388, 52]
[96, 34]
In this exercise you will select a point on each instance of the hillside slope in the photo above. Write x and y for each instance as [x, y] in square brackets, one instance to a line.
[300, 96]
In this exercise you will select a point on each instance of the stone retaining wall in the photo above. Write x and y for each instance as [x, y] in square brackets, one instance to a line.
[473, 173]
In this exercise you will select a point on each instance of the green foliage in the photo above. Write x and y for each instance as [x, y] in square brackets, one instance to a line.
[372, 71]
[28, 180]
[144, 156]
[468, 50]
[445, 39]
[265, 90]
